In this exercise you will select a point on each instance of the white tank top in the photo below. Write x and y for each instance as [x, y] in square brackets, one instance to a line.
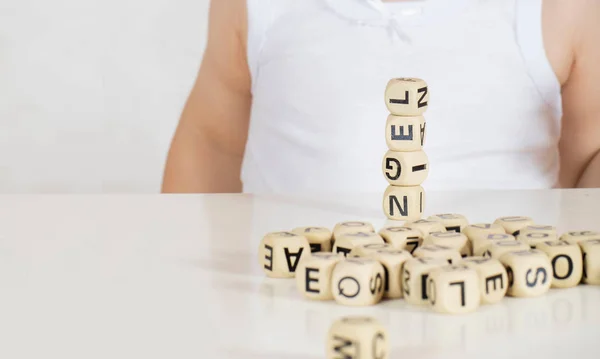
[319, 70]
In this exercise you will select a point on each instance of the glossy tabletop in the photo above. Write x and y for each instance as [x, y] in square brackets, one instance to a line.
[178, 277]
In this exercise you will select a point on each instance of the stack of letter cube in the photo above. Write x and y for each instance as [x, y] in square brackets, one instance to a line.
[405, 165]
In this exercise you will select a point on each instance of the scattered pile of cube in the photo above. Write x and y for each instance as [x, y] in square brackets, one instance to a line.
[442, 262]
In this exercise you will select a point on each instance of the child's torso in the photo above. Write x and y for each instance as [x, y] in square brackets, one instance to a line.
[319, 70]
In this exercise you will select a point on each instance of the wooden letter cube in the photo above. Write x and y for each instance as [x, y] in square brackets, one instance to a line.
[352, 227]
[453, 222]
[493, 280]
[407, 96]
[357, 338]
[407, 169]
[319, 238]
[347, 241]
[481, 230]
[365, 250]
[591, 261]
[576, 237]
[402, 237]
[454, 240]
[358, 281]
[414, 278]
[426, 226]
[393, 261]
[313, 276]
[405, 134]
[538, 228]
[453, 289]
[450, 255]
[280, 253]
[498, 248]
[532, 239]
[404, 203]
[480, 244]
[513, 225]
[529, 273]
[566, 260]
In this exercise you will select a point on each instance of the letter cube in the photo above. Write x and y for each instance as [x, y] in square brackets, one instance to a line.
[455, 240]
[407, 169]
[347, 241]
[426, 226]
[591, 261]
[566, 260]
[529, 273]
[576, 237]
[493, 280]
[351, 227]
[405, 134]
[480, 244]
[497, 248]
[280, 253]
[532, 239]
[357, 338]
[404, 203]
[319, 238]
[450, 255]
[453, 289]
[313, 276]
[402, 237]
[407, 96]
[414, 278]
[452, 221]
[513, 225]
[358, 281]
[366, 249]
[392, 260]
[538, 228]
[481, 230]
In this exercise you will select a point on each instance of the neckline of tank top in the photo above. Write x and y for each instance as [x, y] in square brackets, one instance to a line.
[379, 12]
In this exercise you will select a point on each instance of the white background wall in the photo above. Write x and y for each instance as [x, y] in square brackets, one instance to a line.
[91, 91]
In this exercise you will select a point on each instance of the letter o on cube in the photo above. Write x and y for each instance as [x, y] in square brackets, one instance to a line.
[358, 281]
[567, 262]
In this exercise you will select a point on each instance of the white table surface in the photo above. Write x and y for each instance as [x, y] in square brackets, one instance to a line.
[178, 277]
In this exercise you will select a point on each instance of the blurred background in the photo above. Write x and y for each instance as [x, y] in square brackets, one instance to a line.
[91, 91]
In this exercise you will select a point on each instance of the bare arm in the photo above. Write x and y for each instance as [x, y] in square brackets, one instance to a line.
[208, 146]
[580, 138]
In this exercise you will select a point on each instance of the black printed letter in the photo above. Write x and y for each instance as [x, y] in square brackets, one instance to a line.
[493, 279]
[402, 136]
[422, 102]
[462, 291]
[389, 162]
[538, 272]
[296, 256]
[269, 258]
[569, 269]
[310, 279]
[345, 343]
[394, 201]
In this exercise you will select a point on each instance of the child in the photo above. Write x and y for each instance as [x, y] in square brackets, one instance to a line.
[289, 96]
